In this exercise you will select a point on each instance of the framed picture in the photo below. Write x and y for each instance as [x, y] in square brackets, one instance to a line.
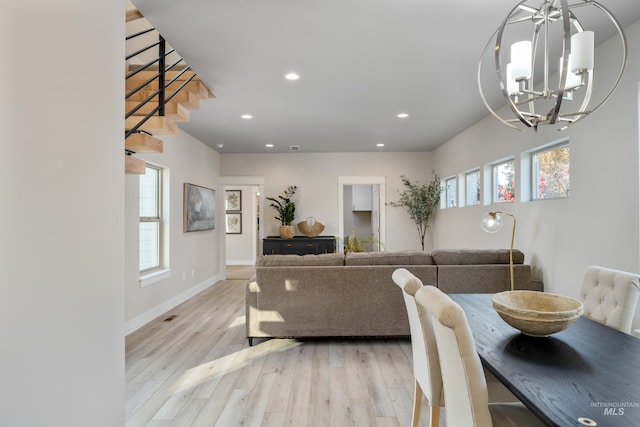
[234, 223]
[233, 200]
[199, 208]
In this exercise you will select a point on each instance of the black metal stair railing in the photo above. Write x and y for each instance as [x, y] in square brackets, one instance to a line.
[161, 94]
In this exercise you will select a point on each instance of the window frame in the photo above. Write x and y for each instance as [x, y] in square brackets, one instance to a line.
[467, 186]
[533, 158]
[157, 219]
[495, 181]
[453, 179]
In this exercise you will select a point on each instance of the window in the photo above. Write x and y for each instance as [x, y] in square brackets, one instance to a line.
[550, 168]
[472, 181]
[150, 219]
[504, 182]
[450, 192]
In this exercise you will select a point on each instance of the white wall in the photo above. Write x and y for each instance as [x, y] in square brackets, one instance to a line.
[193, 256]
[598, 224]
[316, 175]
[62, 186]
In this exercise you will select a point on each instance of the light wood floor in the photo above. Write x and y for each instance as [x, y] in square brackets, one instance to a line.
[198, 370]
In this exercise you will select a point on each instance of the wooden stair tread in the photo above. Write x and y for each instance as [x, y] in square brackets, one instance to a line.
[172, 110]
[197, 92]
[133, 15]
[134, 165]
[143, 76]
[196, 87]
[189, 100]
[147, 74]
[156, 125]
[143, 143]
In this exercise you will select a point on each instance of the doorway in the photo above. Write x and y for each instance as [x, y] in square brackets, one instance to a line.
[241, 225]
[242, 244]
[361, 201]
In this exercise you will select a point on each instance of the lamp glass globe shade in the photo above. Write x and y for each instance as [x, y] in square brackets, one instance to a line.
[491, 222]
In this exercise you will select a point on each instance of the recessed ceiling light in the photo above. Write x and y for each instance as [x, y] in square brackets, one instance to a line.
[219, 145]
[292, 76]
[268, 145]
[379, 144]
[403, 115]
[247, 116]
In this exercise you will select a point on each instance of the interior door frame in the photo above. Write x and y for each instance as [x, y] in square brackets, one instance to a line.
[380, 181]
[248, 181]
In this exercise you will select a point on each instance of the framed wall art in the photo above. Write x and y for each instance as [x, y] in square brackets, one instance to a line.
[233, 200]
[234, 223]
[199, 208]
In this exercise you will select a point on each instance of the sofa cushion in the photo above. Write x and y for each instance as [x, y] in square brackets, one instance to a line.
[300, 260]
[475, 256]
[487, 278]
[388, 258]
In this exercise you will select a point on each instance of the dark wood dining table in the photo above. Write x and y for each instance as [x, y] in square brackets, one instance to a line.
[586, 373]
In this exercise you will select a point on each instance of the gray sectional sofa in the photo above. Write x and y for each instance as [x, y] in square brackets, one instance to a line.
[353, 295]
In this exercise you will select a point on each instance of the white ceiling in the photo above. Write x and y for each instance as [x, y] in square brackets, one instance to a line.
[362, 62]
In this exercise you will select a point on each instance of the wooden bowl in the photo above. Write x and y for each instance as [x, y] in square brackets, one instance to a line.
[538, 314]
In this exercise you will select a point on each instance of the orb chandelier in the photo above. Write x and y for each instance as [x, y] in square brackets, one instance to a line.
[547, 74]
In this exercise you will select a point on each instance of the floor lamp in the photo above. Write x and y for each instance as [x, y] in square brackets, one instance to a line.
[492, 223]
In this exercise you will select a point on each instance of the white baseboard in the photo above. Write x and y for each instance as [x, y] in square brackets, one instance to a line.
[146, 317]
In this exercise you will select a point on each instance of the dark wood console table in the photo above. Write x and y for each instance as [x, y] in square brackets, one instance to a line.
[299, 245]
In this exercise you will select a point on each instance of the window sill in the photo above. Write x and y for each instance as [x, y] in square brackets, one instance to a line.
[154, 277]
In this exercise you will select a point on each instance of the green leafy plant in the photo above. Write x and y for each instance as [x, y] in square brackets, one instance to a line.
[353, 243]
[284, 205]
[421, 202]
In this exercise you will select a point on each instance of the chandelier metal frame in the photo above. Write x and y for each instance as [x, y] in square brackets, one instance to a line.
[522, 95]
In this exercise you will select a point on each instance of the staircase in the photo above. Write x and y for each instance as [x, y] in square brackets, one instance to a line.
[158, 95]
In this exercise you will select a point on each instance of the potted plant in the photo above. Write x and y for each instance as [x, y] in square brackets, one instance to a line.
[286, 209]
[421, 202]
[353, 243]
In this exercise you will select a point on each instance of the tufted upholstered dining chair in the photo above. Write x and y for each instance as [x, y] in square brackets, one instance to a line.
[465, 388]
[426, 365]
[610, 297]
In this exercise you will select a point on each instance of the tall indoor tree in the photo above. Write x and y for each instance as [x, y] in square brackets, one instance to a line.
[421, 202]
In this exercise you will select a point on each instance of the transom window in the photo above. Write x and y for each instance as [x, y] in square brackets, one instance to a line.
[504, 182]
[450, 192]
[550, 169]
[472, 184]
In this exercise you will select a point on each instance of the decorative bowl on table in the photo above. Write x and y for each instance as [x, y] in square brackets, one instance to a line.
[538, 314]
